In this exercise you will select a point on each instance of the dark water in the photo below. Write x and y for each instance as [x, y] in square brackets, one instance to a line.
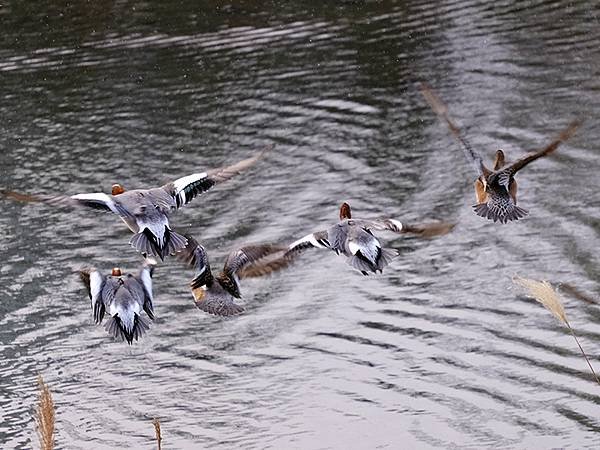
[438, 352]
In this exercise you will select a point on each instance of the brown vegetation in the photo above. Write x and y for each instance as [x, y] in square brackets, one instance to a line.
[45, 416]
[543, 292]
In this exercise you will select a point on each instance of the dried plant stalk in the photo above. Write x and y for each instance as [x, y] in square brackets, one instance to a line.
[544, 293]
[156, 423]
[45, 416]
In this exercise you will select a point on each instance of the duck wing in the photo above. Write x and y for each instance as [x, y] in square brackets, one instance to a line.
[94, 282]
[442, 111]
[195, 257]
[508, 171]
[319, 239]
[421, 229]
[145, 279]
[94, 200]
[185, 189]
[256, 261]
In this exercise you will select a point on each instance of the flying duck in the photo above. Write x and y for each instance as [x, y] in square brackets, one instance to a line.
[354, 239]
[146, 211]
[496, 189]
[123, 297]
[216, 294]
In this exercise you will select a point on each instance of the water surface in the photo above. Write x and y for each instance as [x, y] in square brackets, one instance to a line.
[438, 352]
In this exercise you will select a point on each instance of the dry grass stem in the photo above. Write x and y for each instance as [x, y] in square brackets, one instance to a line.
[45, 416]
[157, 432]
[544, 293]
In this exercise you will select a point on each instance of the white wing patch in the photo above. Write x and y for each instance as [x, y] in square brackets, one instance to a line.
[147, 282]
[397, 224]
[354, 247]
[181, 183]
[308, 238]
[96, 281]
[99, 197]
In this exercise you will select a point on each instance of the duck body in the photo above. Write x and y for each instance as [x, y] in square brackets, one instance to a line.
[354, 239]
[124, 297]
[146, 211]
[496, 194]
[495, 190]
[218, 294]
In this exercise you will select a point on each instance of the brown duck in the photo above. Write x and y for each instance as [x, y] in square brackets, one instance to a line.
[496, 189]
[217, 293]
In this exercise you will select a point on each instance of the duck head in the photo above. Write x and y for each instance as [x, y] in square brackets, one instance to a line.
[499, 160]
[117, 189]
[345, 212]
[116, 272]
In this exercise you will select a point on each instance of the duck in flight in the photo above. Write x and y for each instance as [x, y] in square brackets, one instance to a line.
[496, 189]
[123, 297]
[217, 293]
[354, 239]
[146, 211]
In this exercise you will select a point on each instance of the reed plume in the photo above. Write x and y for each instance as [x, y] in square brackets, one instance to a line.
[156, 424]
[45, 416]
[545, 294]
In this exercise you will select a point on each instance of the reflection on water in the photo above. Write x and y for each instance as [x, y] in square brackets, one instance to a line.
[437, 352]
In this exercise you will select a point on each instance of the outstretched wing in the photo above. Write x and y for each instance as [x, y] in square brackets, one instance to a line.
[196, 258]
[185, 189]
[513, 168]
[320, 239]
[94, 200]
[442, 111]
[421, 229]
[256, 260]
[94, 282]
[145, 277]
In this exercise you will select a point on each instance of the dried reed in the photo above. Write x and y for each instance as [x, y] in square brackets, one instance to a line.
[544, 293]
[45, 416]
[156, 423]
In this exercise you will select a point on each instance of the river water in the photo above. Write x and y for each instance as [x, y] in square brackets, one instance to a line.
[440, 351]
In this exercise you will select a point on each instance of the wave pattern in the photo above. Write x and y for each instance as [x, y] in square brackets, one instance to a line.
[438, 352]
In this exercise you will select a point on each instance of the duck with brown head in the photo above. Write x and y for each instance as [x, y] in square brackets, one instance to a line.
[354, 239]
[146, 212]
[124, 297]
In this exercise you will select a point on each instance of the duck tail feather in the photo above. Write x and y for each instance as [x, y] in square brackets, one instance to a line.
[503, 215]
[387, 255]
[175, 242]
[146, 244]
[360, 263]
[114, 326]
[219, 307]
